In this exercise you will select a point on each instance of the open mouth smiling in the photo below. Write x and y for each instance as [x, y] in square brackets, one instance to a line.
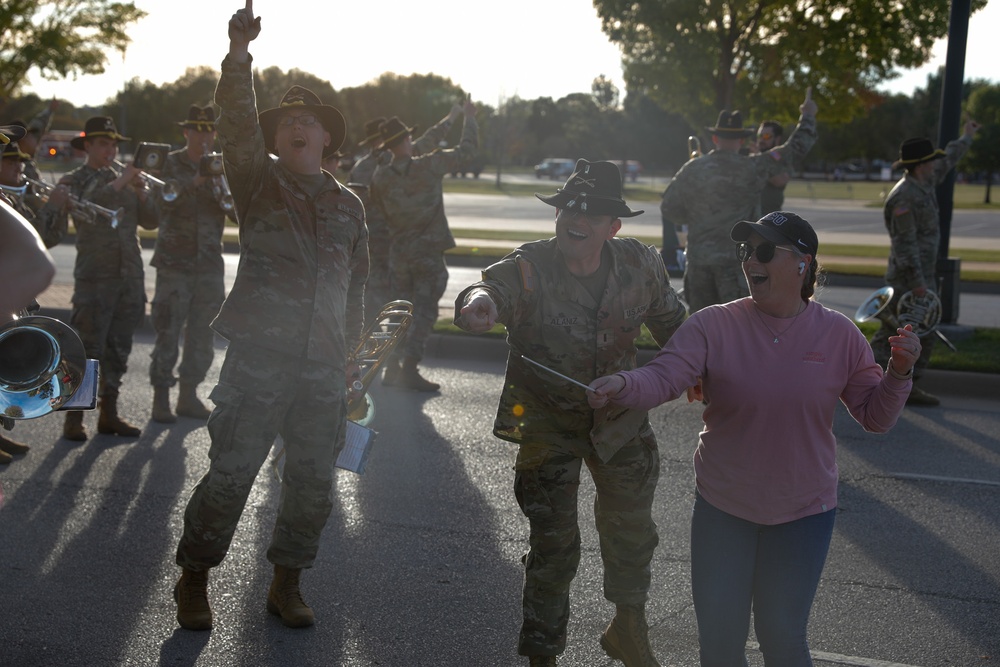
[758, 278]
[298, 142]
[573, 234]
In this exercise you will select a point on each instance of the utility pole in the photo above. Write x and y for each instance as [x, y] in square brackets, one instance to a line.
[949, 269]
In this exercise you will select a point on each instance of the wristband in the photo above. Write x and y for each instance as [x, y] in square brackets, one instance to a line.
[899, 376]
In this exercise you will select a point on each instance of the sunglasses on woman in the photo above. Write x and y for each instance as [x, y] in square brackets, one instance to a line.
[764, 251]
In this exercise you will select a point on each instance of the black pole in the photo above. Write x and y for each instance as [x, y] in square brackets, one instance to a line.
[951, 119]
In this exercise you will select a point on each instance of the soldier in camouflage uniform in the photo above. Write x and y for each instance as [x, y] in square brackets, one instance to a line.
[291, 318]
[109, 295]
[37, 128]
[575, 303]
[911, 217]
[408, 193]
[379, 289]
[190, 273]
[770, 135]
[711, 193]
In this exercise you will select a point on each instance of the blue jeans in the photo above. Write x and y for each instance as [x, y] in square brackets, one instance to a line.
[736, 565]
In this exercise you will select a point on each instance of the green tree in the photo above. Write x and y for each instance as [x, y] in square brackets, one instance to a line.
[60, 38]
[696, 58]
[984, 155]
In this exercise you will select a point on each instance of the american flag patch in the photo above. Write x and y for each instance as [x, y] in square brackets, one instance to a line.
[900, 210]
[527, 276]
[775, 155]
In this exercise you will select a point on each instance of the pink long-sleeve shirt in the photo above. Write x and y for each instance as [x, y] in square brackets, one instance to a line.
[767, 452]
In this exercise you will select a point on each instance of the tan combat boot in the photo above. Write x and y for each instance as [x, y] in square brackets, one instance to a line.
[191, 596]
[109, 421]
[391, 376]
[409, 378]
[73, 426]
[627, 638]
[188, 404]
[542, 661]
[920, 397]
[12, 447]
[285, 600]
[161, 406]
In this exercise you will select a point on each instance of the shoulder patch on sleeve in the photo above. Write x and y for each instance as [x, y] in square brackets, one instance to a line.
[775, 155]
[351, 211]
[528, 277]
[902, 209]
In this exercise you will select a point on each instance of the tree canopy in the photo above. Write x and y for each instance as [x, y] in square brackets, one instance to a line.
[696, 58]
[60, 37]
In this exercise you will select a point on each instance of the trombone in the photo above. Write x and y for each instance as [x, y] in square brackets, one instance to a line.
[82, 210]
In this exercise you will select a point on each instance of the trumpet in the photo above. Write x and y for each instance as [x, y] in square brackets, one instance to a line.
[82, 210]
[211, 166]
[14, 191]
[153, 156]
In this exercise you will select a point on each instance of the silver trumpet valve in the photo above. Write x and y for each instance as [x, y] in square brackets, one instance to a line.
[212, 166]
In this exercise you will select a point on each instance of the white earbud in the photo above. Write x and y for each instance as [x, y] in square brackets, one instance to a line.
[802, 267]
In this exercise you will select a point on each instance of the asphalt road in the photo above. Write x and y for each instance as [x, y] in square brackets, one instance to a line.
[420, 562]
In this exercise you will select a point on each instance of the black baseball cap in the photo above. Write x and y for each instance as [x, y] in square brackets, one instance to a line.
[780, 228]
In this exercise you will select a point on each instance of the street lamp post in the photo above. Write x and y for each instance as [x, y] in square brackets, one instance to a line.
[949, 268]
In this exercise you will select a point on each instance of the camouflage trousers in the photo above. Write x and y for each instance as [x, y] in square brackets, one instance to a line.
[708, 283]
[422, 281]
[880, 340]
[262, 393]
[106, 314]
[184, 303]
[546, 484]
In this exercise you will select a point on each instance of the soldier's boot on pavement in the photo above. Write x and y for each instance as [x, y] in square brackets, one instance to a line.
[73, 426]
[188, 403]
[409, 378]
[161, 406]
[627, 638]
[391, 376]
[191, 596]
[109, 422]
[920, 397]
[542, 661]
[285, 600]
[12, 447]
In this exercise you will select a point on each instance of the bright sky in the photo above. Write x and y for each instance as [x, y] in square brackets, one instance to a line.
[527, 48]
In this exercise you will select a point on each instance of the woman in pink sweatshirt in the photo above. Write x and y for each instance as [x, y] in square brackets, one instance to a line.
[770, 369]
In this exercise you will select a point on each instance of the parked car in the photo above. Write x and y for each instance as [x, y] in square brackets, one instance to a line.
[554, 168]
[473, 167]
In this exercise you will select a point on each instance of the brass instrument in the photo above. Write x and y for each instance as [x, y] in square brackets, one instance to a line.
[377, 343]
[211, 166]
[922, 313]
[82, 210]
[15, 192]
[150, 156]
[694, 147]
[43, 367]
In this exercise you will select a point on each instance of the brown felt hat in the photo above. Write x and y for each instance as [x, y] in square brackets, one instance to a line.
[593, 188]
[298, 97]
[97, 126]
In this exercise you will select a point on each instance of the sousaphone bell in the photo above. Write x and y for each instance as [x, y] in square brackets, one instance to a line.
[43, 368]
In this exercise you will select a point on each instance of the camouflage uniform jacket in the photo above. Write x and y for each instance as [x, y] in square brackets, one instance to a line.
[552, 319]
[40, 124]
[711, 193]
[911, 216]
[190, 234]
[303, 260]
[360, 179]
[103, 252]
[409, 193]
